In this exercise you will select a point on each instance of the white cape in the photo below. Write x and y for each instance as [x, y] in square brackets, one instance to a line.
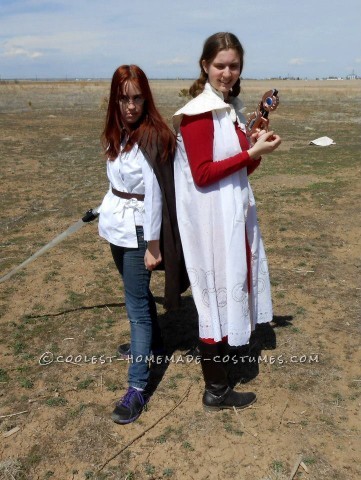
[213, 221]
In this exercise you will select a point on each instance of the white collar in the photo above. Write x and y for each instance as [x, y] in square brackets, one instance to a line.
[210, 99]
[208, 88]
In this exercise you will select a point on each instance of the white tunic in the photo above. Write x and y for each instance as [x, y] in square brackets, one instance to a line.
[213, 222]
[130, 172]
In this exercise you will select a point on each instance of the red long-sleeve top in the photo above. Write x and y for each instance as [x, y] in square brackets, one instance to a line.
[198, 134]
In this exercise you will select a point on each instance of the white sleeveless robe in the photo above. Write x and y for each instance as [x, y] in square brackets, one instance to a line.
[212, 222]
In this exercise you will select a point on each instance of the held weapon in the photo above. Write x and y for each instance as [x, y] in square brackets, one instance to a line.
[88, 217]
[259, 118]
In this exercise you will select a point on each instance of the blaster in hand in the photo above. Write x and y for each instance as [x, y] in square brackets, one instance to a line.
[258, 120]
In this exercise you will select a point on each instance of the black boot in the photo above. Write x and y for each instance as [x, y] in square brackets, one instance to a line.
[218, 395]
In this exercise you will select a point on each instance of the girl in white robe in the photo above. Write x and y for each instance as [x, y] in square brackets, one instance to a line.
[216, 212]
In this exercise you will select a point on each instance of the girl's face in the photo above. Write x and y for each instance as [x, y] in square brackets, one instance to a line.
[223, 71]
[131, 104]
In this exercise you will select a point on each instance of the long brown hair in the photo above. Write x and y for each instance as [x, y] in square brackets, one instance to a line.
[212, 46]
[150, 125]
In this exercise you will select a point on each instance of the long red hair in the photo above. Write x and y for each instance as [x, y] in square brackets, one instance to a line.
[143, 131]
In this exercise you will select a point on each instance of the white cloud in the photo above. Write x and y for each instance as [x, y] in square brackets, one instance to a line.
[14, 51]
[173, 61]
[305, 61]
[69, 43]
[297, 61]
[358, 60]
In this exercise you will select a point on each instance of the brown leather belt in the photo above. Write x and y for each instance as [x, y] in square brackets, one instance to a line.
[127, 196]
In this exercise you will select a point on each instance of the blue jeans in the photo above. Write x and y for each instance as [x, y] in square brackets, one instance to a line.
[145, 334]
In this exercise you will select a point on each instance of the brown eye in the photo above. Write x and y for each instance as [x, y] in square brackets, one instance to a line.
[137, 100]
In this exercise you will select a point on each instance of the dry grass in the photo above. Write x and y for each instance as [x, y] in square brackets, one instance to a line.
[69, 302]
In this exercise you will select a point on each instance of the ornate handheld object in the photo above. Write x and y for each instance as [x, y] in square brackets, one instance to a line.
[259, 118]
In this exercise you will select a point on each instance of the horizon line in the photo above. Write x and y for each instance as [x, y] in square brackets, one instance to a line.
[107, 79]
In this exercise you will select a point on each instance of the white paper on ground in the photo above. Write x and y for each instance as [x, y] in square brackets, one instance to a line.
[322, 142]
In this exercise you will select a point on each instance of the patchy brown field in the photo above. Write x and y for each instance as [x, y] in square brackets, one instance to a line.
[55, 418]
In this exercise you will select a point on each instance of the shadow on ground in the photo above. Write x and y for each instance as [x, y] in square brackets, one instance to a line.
[180, 332]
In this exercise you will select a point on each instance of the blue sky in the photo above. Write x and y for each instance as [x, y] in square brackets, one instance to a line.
[90, 38]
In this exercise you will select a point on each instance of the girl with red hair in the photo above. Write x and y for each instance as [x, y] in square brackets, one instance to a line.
[138, 219]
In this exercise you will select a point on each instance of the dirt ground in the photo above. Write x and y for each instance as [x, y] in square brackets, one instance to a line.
[63, 315]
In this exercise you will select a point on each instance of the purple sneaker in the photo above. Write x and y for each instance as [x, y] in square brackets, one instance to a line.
[124, 352]
[129, 408]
